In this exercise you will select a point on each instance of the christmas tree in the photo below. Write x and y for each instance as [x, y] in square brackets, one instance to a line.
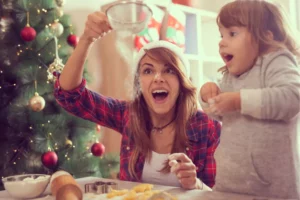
[36, 134]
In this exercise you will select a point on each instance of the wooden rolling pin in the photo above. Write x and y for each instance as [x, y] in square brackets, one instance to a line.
[64, 186]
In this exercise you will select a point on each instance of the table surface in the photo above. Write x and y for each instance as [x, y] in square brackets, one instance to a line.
[178, 192]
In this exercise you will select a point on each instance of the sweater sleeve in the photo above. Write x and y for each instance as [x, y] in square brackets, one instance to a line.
[279, 99]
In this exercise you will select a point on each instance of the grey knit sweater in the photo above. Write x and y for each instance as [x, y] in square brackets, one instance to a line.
[259, 146]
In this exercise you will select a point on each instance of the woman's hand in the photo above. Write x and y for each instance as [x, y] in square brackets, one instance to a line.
[95, 27]
[208, 91]
[185, 171]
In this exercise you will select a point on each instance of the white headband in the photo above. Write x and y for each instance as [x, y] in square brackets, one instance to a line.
[168, 45]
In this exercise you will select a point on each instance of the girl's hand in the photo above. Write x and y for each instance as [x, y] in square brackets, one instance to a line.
[185, 171]
[225, 103]
[95, 27]
[208, 91]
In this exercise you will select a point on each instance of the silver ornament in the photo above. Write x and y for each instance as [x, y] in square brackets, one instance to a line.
[57, 29]
[55, 67]
[60, 2]
[4, 26]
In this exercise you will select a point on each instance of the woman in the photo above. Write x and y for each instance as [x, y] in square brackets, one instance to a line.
[159, 126]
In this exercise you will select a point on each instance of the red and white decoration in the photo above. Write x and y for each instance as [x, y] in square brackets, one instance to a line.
[174, 27]
[152, 32]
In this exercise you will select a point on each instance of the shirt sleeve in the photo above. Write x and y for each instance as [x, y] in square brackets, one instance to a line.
[89, 105]
[208, 174]
[279, 99]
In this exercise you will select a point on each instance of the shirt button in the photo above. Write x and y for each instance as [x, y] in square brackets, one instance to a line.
[187, 149]
[128, 148]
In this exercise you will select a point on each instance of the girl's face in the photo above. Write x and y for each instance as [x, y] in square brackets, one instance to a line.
[237, 49]
[159, 85]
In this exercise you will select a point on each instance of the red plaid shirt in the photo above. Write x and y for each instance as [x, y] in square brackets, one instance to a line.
[203, 132]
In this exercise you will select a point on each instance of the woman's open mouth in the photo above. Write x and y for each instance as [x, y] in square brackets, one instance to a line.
[160, 96]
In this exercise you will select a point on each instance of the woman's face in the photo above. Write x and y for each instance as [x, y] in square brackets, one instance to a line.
[159, 85]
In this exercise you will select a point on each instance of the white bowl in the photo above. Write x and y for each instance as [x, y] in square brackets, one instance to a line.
[26, 185]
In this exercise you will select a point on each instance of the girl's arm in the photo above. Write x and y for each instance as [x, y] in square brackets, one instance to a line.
[280, 98]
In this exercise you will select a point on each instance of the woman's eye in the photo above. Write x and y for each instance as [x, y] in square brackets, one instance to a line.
[170, 71]
[147, 71]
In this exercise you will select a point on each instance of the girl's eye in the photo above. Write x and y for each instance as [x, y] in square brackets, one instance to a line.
[221, 36]
[232, 34]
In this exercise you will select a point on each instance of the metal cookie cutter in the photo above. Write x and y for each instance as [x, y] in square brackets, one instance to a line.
[100, 187]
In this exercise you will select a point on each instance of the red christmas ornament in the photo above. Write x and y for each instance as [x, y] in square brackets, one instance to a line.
[183, 2]
[49, 159]
[98, 149]
[72, 40]
[28, 34]
[98, 127]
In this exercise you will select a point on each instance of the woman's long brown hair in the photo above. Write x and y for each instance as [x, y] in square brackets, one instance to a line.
[140, 122]
[260, 17]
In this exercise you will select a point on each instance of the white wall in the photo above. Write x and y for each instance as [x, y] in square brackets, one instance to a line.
[92, 5]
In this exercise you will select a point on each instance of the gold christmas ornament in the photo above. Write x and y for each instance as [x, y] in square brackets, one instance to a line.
[69, 143]
[37, 103]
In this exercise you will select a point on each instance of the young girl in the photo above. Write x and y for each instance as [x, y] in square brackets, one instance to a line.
[162, 121]
[257, 101]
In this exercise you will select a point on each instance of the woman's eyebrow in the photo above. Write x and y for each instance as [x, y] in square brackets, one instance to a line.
[147, 64]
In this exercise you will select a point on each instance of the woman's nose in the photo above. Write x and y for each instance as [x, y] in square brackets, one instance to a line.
[158, 77]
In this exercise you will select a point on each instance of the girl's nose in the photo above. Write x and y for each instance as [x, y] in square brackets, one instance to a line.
[222, 43]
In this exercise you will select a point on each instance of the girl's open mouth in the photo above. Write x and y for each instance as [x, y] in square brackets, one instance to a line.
[227, 58]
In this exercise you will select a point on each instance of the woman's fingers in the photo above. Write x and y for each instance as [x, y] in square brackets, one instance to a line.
[96, 26]
[186, 174]
[188, 183]
[187, 178]
[181, 157]
[93, 27]
[183, 167]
